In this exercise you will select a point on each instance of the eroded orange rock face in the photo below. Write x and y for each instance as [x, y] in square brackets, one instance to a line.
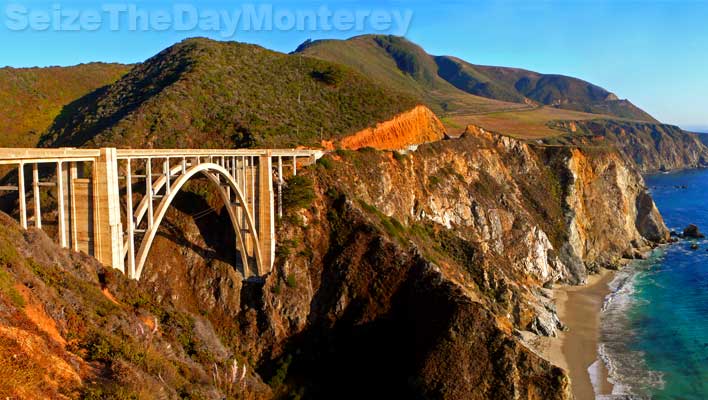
[420, 125]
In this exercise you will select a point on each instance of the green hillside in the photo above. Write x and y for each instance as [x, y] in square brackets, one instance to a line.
[551, 90]
[31, 98]
[453, 85]
[403, 66]
[466, 77]
[203, 93]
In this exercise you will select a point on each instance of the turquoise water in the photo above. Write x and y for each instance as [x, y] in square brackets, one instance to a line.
[655, 324]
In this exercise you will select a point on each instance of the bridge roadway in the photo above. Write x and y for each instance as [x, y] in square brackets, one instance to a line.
[110, 202]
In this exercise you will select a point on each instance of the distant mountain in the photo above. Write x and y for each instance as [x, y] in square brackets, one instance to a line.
[203, 93]
[31, 98]
[406, 66]
[403, 66]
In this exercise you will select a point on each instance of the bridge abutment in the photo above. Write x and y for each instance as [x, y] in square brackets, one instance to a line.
[266, 211]
[107, 227]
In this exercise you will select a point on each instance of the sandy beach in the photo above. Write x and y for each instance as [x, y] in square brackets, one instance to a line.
[576, 349]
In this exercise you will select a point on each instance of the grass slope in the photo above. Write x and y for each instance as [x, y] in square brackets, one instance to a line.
[532, 124]
[31, 98]
[203, 93]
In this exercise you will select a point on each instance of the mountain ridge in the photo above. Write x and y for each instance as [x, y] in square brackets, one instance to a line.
[514, 85]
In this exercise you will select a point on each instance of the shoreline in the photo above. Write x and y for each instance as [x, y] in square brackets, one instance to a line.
[576, 350]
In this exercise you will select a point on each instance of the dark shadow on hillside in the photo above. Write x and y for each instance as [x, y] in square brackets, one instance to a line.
[60, 134]
[215, 228]
[374, 346]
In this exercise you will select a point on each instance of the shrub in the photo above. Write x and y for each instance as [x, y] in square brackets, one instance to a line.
[298, 193]
[291, 281]
[329, 75]
[368, 207]
[285, 248]
[433, 181]
[6, 288]
[400, 157]
[326, 163]
[281, 373]
[99, 347]
[332, 193]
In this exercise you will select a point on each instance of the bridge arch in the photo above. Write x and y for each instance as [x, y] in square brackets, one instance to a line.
[221, 177]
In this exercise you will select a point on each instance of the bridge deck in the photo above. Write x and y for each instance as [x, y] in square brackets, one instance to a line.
[9, 156]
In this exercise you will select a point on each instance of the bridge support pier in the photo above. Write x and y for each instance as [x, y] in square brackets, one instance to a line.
[266, 212]
[107, 230]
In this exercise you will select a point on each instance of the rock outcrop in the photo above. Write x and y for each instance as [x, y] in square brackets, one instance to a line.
[609, 209]
[692, 232]
[417, 126]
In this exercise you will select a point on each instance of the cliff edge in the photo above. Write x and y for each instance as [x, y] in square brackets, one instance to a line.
[417, 126]
[393, 266]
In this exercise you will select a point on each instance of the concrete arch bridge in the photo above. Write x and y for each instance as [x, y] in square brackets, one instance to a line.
[111, 202]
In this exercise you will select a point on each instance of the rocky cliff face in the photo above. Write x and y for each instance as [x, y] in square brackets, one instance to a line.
[403, 265]
[414, 273]
[653, 147]
[419, 125]
[610, 213]
[530, 187]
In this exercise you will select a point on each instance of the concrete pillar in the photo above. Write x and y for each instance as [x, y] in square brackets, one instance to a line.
[266, 217]
[21, 190]
[280, 187]
[83, 217]
[249, 203]
[74, 236]
[61, 200]
[129, 219]
[36, 196]
[149, 193]
[108, 231]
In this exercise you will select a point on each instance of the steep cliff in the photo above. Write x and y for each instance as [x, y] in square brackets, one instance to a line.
[653, 147]
[590, 192]
[414, 127]
[393, 267]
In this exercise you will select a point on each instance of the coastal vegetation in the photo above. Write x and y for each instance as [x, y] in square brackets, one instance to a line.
[203, 93]
[31, 98]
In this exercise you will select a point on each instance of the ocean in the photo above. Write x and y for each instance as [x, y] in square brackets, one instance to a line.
[654, 330]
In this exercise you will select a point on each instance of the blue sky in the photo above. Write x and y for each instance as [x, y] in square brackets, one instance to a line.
[653, 52]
